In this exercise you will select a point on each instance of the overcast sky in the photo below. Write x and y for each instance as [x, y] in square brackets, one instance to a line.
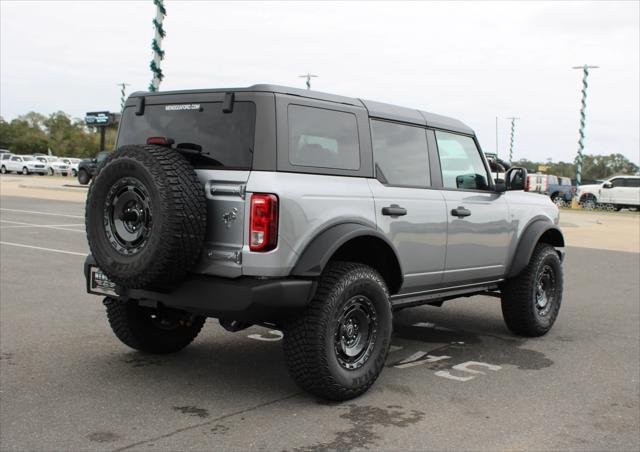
[473, 61]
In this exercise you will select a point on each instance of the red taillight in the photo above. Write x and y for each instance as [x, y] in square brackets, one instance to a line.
[158, 141]
[527, 184]
[263, 231]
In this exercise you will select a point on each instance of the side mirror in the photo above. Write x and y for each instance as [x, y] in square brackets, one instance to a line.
[515, 178]
[607, 185]
[499, 187]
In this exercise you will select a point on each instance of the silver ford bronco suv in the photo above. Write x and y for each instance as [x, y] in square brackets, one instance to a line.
[312, 213]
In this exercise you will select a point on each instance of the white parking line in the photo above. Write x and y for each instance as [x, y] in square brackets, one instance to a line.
[42, 213]
[61, 227]
[21, 245]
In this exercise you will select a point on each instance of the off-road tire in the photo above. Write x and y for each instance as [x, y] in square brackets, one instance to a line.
[83, 177]
[310, 338]
[134, 326]
[519, 306]
[177, 207]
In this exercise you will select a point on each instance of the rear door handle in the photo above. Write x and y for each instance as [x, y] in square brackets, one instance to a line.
[394, 210]
[460, 212]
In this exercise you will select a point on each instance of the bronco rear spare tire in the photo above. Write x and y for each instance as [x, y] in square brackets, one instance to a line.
[146, 216]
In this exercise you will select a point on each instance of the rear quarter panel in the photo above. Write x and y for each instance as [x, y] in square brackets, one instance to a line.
[308, 204]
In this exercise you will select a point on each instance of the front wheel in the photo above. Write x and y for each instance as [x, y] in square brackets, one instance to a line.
[83, 177]
[337, 347]
[25, 171]
[3, 169]
[531, 301]
[50, 171]
[152, 330]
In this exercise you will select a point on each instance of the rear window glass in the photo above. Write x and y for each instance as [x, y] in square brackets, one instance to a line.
[224, 139]
[633, 182]
[401, 154]
[323, 138]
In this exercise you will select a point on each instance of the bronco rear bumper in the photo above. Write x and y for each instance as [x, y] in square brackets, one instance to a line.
[243, 298]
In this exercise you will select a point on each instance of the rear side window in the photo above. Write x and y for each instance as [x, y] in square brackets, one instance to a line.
[323, 138]
[225, 140]
[553, 180]
[400, 154]
[460, 161]
[633, 182]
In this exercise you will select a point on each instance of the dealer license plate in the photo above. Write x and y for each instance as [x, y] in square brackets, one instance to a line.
[99, 283]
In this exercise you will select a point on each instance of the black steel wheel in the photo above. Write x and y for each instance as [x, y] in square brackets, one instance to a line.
[128, 215]
[336, 348]
[531, 300]
[355, 332]
[545, 290]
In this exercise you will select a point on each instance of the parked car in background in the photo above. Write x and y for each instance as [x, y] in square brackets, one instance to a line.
[5, 151]
[498, 166]
[614, 194]
[54, 165]
[24, 164]
[559, 189]
[73, 164]
[87, 168]
[5, 156]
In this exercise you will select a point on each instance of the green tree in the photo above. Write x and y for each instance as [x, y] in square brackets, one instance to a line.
[24, 134]
[69, 137]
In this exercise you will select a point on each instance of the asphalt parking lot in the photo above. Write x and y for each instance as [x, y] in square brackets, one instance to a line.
[455, 377]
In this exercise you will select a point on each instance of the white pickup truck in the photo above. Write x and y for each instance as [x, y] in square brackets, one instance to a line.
[617, 193]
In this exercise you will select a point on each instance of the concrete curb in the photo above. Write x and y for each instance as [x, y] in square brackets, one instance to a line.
[71, 188]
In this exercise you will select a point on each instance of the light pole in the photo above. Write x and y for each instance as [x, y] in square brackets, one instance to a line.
[156, 45]
[585, 70]
[308, 76]
[122, 86]
[513, 128]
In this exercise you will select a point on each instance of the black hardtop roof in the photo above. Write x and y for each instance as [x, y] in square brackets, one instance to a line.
[375, 109]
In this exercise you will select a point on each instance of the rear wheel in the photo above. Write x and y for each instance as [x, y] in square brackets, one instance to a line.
[25, 171]
[531, 301]
[50, 171]
[3, 170]
[337, 347]
[83, 177]
[152, 330]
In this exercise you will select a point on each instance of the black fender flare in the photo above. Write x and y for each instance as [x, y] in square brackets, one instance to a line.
[530, 238]
[315, 256]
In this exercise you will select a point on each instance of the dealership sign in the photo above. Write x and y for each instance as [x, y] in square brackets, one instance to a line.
[98, 118]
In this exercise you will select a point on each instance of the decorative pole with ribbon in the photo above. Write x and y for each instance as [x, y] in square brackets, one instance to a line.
[583, 117]
[156, 46]
[513, 129]
[123, 98]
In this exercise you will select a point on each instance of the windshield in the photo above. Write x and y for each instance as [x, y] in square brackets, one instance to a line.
[225, 139]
